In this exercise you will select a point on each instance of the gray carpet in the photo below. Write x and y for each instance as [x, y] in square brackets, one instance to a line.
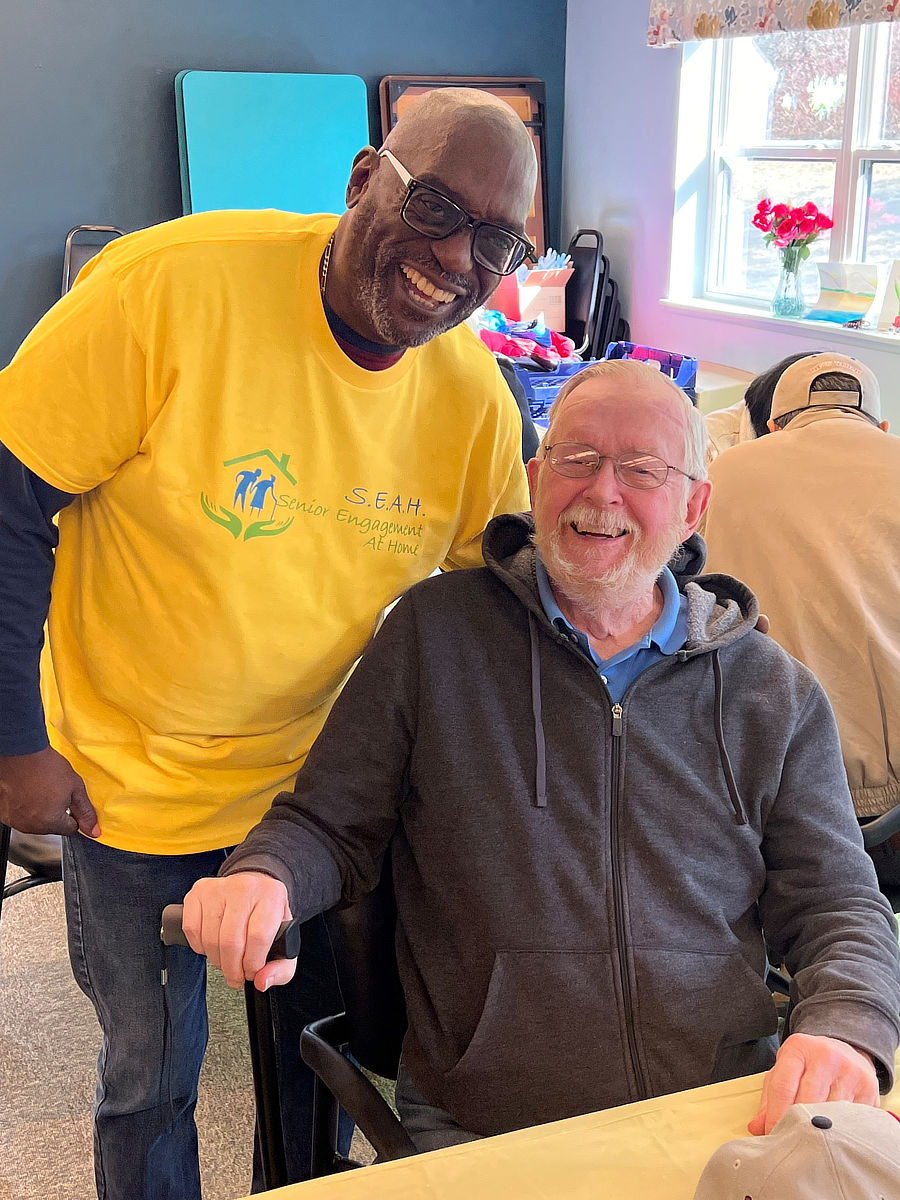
[48, 1048]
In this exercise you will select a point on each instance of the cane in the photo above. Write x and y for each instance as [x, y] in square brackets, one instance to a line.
[262, 1044]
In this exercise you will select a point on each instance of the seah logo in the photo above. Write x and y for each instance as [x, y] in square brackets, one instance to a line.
[250, 512]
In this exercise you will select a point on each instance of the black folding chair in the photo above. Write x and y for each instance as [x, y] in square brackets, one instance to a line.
[582, 291]
[876, 834]
[370, 1030]
[609, 313]
[82, 243]
[39, 856]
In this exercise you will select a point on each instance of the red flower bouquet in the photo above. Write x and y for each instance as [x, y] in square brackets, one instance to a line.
[790, 230]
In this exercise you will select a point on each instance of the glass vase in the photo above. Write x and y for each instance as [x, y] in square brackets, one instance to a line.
[788, 299]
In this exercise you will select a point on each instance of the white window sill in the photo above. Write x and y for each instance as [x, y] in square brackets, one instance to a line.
[760, 319]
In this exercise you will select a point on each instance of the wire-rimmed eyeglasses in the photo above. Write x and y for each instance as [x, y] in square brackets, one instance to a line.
[635, 469]
[434, 215]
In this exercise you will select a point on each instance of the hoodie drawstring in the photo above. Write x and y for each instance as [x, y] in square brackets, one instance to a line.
[540, 748]
[737, 803]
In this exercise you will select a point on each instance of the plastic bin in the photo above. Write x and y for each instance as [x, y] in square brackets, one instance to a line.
[680, 367]
[541, 386]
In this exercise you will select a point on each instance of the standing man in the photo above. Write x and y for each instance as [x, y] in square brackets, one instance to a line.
[810, 519]
[197, 640]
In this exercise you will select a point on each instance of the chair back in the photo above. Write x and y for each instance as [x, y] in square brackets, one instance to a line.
[82, 243]
[363, 940]
[880, 838]
[585, 250]
[38, 854]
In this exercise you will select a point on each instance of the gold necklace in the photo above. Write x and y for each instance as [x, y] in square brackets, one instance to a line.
[323, 272]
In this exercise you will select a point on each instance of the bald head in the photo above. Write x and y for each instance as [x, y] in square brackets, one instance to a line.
[461, 120]
[393, 281]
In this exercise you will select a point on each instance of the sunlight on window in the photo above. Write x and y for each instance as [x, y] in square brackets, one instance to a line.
[787, 88]
[691, 167]
[775, 117]
[890, 97]
[881, 237]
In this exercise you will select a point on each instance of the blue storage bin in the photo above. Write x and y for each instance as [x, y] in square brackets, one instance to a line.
[680, 367]
[541, 386]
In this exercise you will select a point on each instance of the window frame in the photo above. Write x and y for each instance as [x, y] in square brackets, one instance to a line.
[854, 158]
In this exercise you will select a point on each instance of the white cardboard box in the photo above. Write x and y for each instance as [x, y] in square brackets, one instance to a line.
[545, 292]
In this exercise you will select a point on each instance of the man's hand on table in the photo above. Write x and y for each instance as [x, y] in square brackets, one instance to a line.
[809, 1069]
[234, 921]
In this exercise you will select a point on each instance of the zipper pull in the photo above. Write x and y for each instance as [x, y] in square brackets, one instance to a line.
[617, 720]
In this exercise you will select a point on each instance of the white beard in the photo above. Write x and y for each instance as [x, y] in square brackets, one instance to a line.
[615, 588]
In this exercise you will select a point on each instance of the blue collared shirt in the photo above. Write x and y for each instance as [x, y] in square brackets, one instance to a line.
[667, 636]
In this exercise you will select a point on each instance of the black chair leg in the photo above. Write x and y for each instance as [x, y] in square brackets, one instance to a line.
[4, 861]
[21, 885]
[265, 1087]
[324, 1132]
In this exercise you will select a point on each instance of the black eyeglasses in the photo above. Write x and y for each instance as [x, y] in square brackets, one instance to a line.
[436, 216]
[635, 469]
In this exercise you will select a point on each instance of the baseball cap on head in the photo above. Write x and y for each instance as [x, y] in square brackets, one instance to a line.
[793, 388]
[836, 1150]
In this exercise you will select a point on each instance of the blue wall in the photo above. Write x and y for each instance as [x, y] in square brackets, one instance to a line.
[87, 97]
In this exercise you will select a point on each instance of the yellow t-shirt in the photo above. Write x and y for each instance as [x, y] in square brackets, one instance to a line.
[249, 502]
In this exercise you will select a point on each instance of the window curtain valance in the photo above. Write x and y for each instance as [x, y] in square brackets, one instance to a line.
[674, 21]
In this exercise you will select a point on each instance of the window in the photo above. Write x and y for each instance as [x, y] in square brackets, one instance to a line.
[812, 115]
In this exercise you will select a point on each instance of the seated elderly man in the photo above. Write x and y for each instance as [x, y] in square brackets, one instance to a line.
[604, 793]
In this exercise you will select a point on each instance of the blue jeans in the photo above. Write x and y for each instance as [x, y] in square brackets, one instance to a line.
[145, 1138]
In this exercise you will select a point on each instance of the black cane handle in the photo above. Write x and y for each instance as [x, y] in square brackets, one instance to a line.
[286, 944]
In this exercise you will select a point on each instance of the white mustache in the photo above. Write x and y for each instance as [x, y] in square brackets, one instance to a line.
[596, 520]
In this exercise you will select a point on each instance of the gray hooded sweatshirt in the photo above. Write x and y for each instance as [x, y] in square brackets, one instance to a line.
[585, 890]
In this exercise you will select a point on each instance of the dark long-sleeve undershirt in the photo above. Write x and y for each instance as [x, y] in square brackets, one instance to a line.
[28, 539]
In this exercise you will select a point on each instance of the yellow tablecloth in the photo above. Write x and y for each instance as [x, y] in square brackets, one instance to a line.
[656, 1148]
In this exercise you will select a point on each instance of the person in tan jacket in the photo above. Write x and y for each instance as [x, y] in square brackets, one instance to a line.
[811, 522]
[749, 418]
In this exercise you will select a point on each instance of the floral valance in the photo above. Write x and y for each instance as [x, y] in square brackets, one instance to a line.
[674, 21]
